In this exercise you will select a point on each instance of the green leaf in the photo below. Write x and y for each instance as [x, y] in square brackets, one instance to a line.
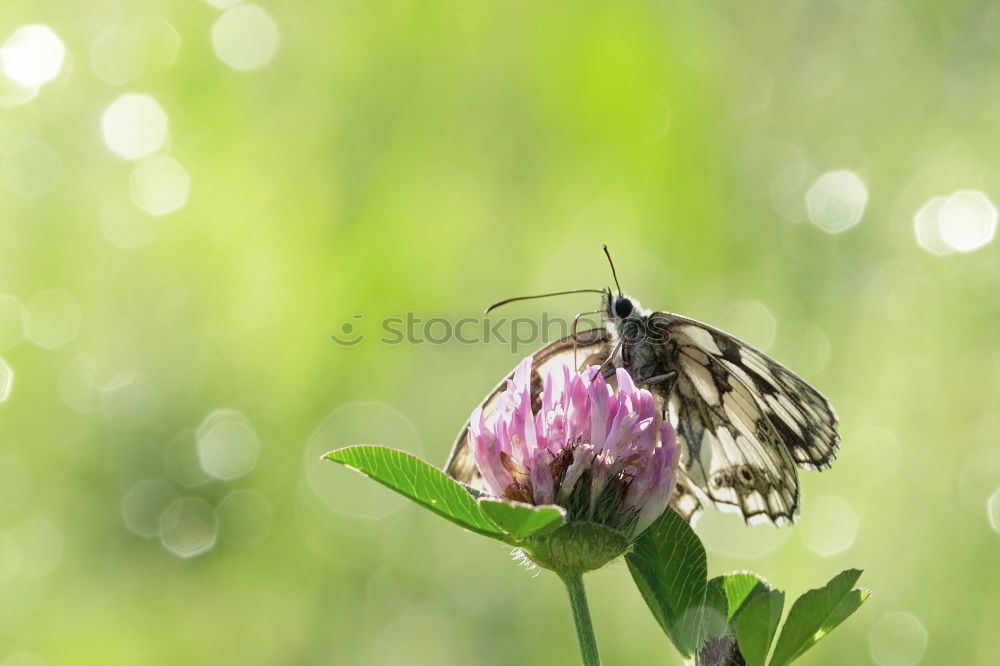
[715, 618]
[669, 567]
[740, 587]
[727, 595]
[424, 484]
[757, 623]
[851, 603]
[522, 520]
[816, 613]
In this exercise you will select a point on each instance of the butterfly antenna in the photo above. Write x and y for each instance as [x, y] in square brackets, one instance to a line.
[528, 298]
[613, 273]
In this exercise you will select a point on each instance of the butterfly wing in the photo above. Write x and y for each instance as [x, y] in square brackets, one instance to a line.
[590, 347]
[745, 422]
[684, 500]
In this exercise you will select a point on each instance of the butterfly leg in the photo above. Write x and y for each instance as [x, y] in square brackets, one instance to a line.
[658, 378]
[667, 376]
[608, 367]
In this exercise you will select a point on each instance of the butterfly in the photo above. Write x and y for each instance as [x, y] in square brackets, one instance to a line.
[745, 423]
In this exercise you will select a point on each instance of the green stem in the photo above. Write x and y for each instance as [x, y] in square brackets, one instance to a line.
[581, 615]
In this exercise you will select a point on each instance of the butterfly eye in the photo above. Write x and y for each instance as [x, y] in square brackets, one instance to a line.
[623, 307]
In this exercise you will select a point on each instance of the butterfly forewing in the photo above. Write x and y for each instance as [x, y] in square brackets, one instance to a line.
[803, 418]
[745, 422]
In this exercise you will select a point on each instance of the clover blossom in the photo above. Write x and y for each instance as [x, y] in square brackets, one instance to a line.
[606, 457]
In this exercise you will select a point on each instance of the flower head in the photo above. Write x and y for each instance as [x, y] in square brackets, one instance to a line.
[606, 457]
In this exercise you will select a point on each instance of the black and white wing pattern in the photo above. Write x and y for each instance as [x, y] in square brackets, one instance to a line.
[745, 422]
[590, 347]
[685, 501]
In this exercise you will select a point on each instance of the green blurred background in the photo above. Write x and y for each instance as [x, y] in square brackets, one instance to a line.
[174, 262]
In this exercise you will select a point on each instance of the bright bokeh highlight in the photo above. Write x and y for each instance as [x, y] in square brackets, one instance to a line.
[32, 56]
[134, 125]
[926, 226]
[967, 221]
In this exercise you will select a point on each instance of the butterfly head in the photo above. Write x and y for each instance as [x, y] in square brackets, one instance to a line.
[621, 307]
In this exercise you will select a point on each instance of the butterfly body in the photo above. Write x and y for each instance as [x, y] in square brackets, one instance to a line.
[637, 344]
[745, 423]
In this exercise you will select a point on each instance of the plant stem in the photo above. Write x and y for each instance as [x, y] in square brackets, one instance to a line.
[581, 615]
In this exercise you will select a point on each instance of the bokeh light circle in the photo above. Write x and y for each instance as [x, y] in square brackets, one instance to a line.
[188, 527]
[134, 126]
[41, 544]
[159, 185]
[967, 221]
[836, 201]
[728, 534]
[227, 444]
[344, 491]
[993, 510]
[6, 380]
[125, 52]
[897, 639]
[977, 479]
[33, 55]
[927, 229]
[829, 525]
[245, 37]
[53, 318]
[751, 321]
